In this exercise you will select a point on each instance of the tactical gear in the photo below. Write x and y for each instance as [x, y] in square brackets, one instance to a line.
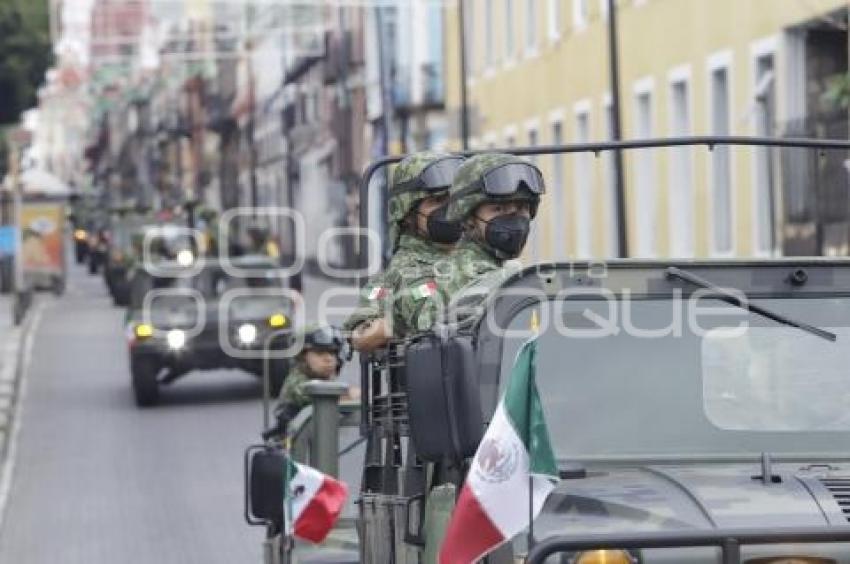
[415, 178]
[494, 177]
[325, 338]
[506, 235]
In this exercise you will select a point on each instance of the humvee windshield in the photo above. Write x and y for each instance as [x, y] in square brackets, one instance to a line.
[678, 377]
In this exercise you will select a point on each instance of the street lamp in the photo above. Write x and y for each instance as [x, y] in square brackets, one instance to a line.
[616, 133]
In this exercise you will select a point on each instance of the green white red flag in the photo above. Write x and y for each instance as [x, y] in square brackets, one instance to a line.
[313, 502]
[514, 461]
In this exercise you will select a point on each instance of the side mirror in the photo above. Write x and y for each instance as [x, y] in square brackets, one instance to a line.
[444, 404]
[264, 478]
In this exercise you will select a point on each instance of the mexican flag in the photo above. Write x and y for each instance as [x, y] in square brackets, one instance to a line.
[514, 459]
[313, 502]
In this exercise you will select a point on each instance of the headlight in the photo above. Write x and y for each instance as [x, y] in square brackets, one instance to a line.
[176, 338]
[80, 234]
[277, 320]
[185, 258]
[143, 330]
[247, 333]
[604, 557]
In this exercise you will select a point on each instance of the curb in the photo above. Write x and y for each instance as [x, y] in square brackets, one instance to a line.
[12, 390]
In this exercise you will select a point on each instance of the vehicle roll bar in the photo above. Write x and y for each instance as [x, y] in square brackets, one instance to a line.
[729, 541]
[658, 142]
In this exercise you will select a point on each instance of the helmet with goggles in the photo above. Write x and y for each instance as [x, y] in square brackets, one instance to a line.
[417, 177]
[325, 338]
[494, 177]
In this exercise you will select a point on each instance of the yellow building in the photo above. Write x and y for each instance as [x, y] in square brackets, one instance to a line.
[538, 73]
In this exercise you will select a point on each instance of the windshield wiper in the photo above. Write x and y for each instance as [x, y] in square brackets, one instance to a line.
[735, 300]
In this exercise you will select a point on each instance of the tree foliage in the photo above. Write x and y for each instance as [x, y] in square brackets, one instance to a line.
[25, 54]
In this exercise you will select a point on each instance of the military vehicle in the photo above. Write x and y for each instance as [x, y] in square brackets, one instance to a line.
[183, 317]
[697, 409]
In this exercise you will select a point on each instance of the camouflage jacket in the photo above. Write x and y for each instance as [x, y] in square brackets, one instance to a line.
[292, 396]
[430, 295]
[415, 259]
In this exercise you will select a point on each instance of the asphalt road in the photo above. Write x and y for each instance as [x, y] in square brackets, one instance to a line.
[99, 481]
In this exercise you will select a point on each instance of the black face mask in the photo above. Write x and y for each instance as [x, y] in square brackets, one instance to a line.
[506, 235]
[440, 229]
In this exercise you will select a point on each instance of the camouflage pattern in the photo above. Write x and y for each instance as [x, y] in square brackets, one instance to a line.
[467, 262]
[292, 396]
[388, 293]
[461, 206]
[400, 205]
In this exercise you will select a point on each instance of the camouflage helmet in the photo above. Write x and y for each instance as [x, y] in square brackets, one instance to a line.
[402, 202]
[462, 201]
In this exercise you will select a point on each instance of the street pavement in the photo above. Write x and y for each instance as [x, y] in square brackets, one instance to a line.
[98, 480]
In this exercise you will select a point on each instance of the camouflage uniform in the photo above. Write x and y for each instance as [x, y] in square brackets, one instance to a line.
[413, 256]
[472, 258]
[292, 397]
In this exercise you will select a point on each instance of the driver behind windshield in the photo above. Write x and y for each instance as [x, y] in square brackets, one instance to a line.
[322, 356]
[494, 197]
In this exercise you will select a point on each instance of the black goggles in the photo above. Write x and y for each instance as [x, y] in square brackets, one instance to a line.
[326, 338]
[510, 178]
[437, 176]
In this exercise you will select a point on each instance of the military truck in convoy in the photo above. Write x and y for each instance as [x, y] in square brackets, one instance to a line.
[698, 410]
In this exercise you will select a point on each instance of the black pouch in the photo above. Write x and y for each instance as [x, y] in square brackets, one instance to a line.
[444, 404]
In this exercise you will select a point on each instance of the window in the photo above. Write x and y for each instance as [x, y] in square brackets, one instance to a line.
[721, 173]
[644, 173]
[681, 188]
[558, 194]
[490, 47]
[509, 29]
[531, 25]
[555, 19]
[764, 205]
[583, 186]
[579, 14]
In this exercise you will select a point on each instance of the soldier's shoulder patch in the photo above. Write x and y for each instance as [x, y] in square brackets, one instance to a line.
[425, 290]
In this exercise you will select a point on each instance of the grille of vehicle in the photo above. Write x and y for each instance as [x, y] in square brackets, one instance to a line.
[840, 490]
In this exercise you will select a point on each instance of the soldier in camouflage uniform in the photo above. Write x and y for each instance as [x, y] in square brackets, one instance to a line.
[420, 236]
[494, 197]
[323, 353]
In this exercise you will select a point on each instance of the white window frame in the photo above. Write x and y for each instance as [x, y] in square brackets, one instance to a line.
[716, 61]
[531, 47]
[681, 75]
[642, 87]
[510, 133]
[509, 28]
[766, 46]
[560, 230]
[583, 201]
[490, 57]
[554, 18]
[581, 14]
[533, 125]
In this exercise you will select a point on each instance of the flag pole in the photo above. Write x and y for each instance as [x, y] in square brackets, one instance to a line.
[535, 329]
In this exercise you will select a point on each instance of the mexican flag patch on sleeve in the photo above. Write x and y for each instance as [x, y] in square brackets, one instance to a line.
[425, 290]
[377, 293]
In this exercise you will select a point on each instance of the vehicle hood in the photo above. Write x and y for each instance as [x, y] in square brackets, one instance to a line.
[693, 496]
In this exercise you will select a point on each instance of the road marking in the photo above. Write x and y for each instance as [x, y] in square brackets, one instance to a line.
[7, 465]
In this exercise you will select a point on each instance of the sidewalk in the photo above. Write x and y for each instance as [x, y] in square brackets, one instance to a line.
[10, 341]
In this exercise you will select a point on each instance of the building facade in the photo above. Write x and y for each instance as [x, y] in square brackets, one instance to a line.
[538, 73]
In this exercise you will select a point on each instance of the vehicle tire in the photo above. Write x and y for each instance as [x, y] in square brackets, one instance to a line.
[279, 369]
[144, 372]
[80, 256]
[121, 296]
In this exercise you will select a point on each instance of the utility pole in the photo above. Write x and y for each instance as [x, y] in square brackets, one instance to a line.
[464, 101]
[387, 107]
[616, 132]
